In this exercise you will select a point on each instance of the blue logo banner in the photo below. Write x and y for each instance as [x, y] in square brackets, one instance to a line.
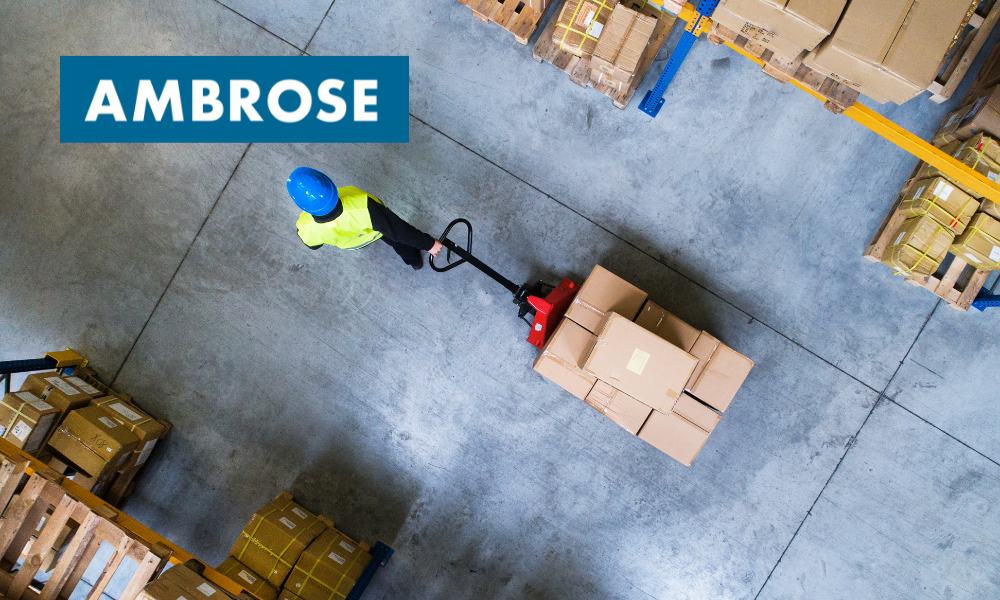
[234, 99]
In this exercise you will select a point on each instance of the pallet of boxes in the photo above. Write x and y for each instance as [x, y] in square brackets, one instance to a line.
[97, 438]
[940, 235]
[605, 45]
[642, 367]
[286, 551]
[518, 17]
[888, 50]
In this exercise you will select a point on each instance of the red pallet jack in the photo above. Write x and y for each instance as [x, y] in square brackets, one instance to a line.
[547, 302]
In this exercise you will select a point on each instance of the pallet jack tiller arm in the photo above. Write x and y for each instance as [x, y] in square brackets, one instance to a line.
[548, 303]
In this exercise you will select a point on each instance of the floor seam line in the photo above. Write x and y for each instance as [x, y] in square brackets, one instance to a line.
[249, 20]
[995, 462]
[850, 445]
[687, 277]
[178, 269]
[318, 27]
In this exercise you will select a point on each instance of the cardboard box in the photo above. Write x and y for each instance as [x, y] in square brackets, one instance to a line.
[697, 412]
[618, 406]
[982, 116]
[786, 27]
[275, 538]
[287, 595]
[674, 435]
[617, 54]
[890, 50]
[95, 485]
[145, 427]
[580, 25]
[328, 568]
[720, 372]
[991, 208]
[980, 244]
[181, 583]
[92, 442]
[946, 133]
[243, 575]
[971, 153]
[604, 293]
[26, 420]
[57, 391]
[667, 326]
[940, 200]
[640, 363]
[562, 359]
[928, 239]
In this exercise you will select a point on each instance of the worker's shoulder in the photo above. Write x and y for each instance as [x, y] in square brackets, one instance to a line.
[304, 220]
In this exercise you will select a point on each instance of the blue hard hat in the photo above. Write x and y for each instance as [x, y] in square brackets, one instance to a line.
[312, 191]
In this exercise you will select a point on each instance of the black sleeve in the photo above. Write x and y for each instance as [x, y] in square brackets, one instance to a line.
[391, 226]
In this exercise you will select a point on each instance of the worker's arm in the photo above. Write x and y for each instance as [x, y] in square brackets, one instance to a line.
[391, 226]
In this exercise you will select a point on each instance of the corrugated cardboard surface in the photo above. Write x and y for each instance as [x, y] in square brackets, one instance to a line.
[758, 34]
[26, 419]
[561, 360]
[909, 262]
[925, 235]
[274, 539]
[618, 406]
[604, 293]
[991, 208]
[703, 349]
[675, 436]
[696, 412]
[667, 326]
[980, 244]
[244, 575]
[640, 363]
[792, 31]
[92, 441]
[947, 133]
[981, 116]
[620, 48]
[966, 153]
[328, 569]
[287, 595]
[63, 395]
[722, 378]
[179, 582]
[580, 25]
[925, 38]
[138, 422]
[939, 199]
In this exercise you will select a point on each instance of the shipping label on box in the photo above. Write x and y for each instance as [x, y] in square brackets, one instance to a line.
[329, 567]
[940, 200]
[640, 363]
[269, 546]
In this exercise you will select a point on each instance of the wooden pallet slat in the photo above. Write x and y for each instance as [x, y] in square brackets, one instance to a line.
[519, 17]
[972, 41]
[546, 50]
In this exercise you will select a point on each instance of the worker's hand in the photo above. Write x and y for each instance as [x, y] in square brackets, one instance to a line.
[436, 249]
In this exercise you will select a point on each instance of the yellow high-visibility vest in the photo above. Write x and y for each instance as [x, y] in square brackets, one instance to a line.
[350, 231]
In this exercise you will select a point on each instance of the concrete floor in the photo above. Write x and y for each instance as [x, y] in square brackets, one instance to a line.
[860, 460]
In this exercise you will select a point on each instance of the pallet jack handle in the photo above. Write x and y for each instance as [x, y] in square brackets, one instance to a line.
[465, 254]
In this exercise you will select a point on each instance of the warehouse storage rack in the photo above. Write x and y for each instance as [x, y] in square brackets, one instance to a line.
[699, 20]
[65, 362]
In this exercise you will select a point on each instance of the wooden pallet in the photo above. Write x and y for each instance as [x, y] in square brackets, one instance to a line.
[520, 17]
[33, 527]
[958, 285]
[840, 97]
[972, 36]
[578, 68]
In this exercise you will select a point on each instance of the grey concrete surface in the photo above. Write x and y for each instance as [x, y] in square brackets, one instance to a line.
[910, 513]
[402, 405]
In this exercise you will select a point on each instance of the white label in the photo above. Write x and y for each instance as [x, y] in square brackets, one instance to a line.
[125, 411]
[287, 523]
[972, 258]
[590, 18]
[952, 119]
[995, 253]
[638, 361]
[206, 589]
[21, 430]
[299, 513]
[111, 424]
[337, 558]
[595, 30]
[247, 577]
[143, 456]
[34, 401]
[181, 598]
[346, 546]
[63, 386]
[992, 176]
[937, 189]
[920, 192]
[83, 385]
[899, 239]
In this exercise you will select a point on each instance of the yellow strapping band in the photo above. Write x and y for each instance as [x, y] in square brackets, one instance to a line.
[919, 260]
[333, 590]
[586, 32]
[956, 219]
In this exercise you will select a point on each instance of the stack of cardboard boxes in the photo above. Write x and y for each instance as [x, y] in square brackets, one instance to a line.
[287, 550]
[181, 583]
[642, 367]
[609, 35]
[78, 429]
[942, 213]
[889, 50]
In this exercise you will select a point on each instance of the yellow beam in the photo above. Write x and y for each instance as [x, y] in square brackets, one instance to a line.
[67, 358]
[956, 171]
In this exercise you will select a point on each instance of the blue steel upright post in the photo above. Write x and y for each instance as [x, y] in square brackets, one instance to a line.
[653, 100]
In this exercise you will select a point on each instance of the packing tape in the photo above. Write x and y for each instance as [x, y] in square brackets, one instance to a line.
[956, 219]
[309, 574]
[278, 557]
[562, 362]
[586, 32]
[579, 302]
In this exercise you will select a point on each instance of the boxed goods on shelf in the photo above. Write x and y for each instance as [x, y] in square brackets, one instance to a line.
[26, 420]
[92, 442]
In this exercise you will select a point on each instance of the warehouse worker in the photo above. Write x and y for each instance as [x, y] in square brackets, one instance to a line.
[349, 218]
